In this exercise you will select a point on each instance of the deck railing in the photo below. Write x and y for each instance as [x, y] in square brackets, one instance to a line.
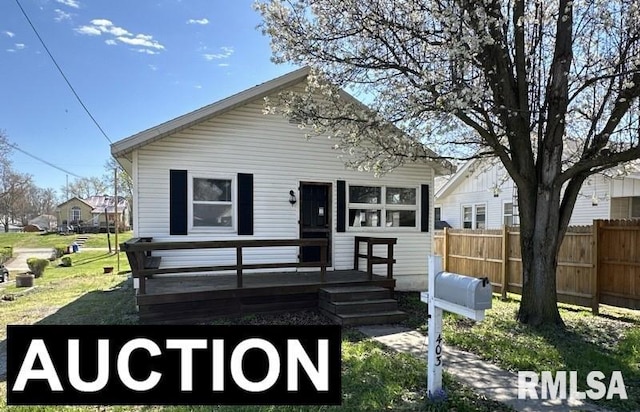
[370, 257]
[143, 265]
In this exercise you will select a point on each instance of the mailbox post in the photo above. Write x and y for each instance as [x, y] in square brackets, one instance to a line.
[464, 295]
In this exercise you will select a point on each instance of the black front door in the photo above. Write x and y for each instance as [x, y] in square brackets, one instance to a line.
[315, 218]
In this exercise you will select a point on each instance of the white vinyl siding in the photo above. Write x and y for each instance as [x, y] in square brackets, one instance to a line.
[244, 140]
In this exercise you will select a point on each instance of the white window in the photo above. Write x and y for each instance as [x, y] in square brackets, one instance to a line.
[75, 214]
[382, 206]
[212, 203]
[474, 216]
[481, 217]
[507, 213]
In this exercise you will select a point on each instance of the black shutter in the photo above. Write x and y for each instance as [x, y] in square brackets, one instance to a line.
[341, 200]
[245, 204]
[424, 208]
[178, 202]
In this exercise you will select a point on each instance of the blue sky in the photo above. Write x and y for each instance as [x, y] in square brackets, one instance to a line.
[134, 64]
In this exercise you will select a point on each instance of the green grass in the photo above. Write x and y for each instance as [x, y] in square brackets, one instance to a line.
[606, 343]
[38, 240]
[374, 378]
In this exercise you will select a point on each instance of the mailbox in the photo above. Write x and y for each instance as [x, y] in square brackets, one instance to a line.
[467, 291]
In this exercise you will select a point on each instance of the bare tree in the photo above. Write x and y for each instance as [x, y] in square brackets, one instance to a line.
[86, 187]
[551, 88]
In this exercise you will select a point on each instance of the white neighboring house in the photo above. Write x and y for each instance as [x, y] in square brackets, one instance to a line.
[482, 195]
[227, 171]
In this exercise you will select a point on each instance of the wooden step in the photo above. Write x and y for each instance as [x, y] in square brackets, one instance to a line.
[353, 293]
[363, 306]
[373, 318]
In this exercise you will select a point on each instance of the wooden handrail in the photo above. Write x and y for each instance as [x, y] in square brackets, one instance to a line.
[371, 259]
[139, 248]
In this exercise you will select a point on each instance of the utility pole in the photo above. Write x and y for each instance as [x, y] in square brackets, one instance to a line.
[115, 189]
[106, 220]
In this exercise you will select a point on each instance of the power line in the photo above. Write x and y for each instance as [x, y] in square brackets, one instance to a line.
[43, 161]
[24, 13]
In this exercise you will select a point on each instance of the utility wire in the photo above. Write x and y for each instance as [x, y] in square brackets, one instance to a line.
[24, 13]
[44, 161]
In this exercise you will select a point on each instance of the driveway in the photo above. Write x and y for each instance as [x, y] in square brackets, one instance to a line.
[18, 263]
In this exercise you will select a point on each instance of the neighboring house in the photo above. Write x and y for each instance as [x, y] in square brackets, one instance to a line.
[228, 171]
[482, 195]
[90, 212]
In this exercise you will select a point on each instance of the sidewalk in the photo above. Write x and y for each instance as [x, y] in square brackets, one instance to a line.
[467, 368]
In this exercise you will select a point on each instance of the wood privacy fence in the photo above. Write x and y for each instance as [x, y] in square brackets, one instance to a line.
[596, 264]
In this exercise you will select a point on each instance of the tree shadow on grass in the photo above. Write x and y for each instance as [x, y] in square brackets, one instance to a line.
[92, 259]
[583, 350]
[114, 306]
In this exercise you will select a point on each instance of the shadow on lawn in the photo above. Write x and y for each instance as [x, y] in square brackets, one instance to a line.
[115, 306]
[92, 259]
[583, 351]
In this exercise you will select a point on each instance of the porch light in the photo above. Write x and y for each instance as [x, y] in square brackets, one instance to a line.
[594, 199]
[496, 190]
[292, 197]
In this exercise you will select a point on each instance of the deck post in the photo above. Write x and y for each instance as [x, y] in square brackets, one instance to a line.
[356, 252]
[239, 265]
[390, 260]
[370, 258]
[323, 261]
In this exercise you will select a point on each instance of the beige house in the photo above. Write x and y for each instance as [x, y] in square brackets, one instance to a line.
[90, 213]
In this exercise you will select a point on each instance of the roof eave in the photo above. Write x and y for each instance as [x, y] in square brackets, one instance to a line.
[121, 148]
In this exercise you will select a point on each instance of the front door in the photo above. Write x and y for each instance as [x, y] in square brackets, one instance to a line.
[315, 219]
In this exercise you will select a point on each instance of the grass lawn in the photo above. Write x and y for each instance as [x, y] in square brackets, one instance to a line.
[37, 240]
[608, 342]
[374, 378]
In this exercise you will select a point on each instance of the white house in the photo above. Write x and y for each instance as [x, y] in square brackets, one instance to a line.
[228, 171]
[482, 195]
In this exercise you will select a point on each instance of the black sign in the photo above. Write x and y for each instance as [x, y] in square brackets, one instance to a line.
[173, 365]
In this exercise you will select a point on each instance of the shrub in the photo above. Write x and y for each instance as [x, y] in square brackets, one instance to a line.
[66, 261]
[6, 253]
[37, 266]
[60, 250]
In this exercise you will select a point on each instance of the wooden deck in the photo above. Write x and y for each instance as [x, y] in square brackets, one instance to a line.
[188, 299]
[185, 298]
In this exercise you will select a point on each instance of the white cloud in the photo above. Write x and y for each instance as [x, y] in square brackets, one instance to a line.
[153, 67]
[88, 30]
[198, 86]
[20, 46]
[11, 50]
[226, 53]
[61, 15]
[145, 43]
[223, 65]
[146, 51]
[70, 3]
[9, 33]
[198, 21]
[142, 40]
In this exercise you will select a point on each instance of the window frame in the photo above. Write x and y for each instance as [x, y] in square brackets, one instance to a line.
[72, 214]
[234, 203]
[505, 215]
[474, 215]
[383, 207]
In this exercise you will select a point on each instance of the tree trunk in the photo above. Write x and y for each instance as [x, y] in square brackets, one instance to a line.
[539, 242]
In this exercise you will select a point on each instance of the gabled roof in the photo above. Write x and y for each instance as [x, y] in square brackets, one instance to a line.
[122, 148]
[467, 167]
[72, 199]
